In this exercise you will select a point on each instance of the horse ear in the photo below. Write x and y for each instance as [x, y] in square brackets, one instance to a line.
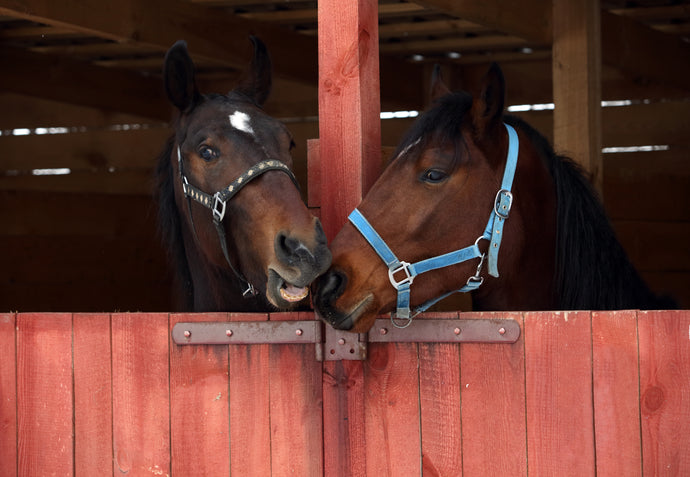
[257, 82]
[487, 110]
[438, 87]
[178, 75]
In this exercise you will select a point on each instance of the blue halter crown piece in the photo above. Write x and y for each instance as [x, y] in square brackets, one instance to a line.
[401, 274]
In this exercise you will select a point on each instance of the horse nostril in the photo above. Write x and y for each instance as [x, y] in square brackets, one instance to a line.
[332, 284]
[291, 249]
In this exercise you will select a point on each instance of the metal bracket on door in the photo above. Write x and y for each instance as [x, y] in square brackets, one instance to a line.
[333, 345]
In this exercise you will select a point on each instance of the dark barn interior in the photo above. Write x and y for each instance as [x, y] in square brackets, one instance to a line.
[84, 117]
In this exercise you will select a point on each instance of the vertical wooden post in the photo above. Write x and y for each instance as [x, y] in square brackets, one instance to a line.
[577, 83]
[349, 162]
[349, 106]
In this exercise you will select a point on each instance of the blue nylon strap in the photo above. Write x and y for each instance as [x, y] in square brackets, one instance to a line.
[504, 200]
[373, 238]
[447, 259]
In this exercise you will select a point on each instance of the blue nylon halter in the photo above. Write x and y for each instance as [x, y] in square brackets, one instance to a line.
[493, 232]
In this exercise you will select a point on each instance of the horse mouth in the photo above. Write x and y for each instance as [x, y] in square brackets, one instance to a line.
[282, 293]
[345, 321]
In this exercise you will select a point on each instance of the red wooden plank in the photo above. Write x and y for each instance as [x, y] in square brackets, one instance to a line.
[616, 393]
[558, 374]
[250, 439]
[141, 408]
[665, 391]
[493, 405]
[439, 394]
[199, 413]
[392, 426]
[296, 407]
[44, 394]
[8, 396]
[93, 426]
[349, 106]
[345, 450]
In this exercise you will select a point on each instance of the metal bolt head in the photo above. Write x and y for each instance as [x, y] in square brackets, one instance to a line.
[187, 333]
[341, 341]
[383, 331]
[456, 331]
[298, 332]
[501, 331]
[228, 333]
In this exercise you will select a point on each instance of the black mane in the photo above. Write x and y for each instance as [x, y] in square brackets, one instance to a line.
[169, 225]
[593, 271]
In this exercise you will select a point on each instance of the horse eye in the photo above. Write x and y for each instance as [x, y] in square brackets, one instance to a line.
[434, 176]
[207, 153]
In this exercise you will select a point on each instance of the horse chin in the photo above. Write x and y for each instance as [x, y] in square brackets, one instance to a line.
[352, 320]
[283, 294]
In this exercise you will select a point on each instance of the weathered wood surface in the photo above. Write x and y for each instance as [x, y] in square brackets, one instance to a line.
[580, 393]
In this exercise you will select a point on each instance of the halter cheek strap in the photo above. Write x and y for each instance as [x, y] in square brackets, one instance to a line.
[217, 202]
[401, 274]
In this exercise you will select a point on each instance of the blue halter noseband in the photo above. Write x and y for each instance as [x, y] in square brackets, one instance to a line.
[493, 233]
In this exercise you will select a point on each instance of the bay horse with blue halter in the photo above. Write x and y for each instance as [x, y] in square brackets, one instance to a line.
[476, 201]
[230, 209]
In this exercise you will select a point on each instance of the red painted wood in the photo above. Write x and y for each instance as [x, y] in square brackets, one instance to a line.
[391, 401]
[296, 406]
[93, 426]
[345, 450]
[250, 438]
[558, 373]
[616, 393]
[199, 413]
[349, 106]
[44, 394]
[141, 406]
[493, 405]
[665, 391]
[439, 394]
[8, 396]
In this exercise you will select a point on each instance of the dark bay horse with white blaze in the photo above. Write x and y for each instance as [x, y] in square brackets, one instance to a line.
[478, 202]
[230, 209]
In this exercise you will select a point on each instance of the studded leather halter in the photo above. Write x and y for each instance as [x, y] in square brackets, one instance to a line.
[217, 202]
[493, 232]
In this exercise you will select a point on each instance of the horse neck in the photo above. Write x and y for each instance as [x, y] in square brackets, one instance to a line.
[214, 288]
[526, 261]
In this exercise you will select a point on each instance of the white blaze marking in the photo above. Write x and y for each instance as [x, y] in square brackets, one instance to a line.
[240, 120]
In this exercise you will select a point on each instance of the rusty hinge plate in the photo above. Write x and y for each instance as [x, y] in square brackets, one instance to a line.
[247, 332]
[462, 330]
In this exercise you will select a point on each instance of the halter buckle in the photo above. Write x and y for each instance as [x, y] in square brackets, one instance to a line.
[501, 207]
[218, 209]
[401, 266]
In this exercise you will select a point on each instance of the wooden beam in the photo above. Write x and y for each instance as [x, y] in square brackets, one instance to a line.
[72, 81]
[577, 84]
[528, 19]
[349, 107]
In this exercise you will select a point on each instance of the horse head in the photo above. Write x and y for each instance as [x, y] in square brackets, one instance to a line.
[243, 222]
[433, 199]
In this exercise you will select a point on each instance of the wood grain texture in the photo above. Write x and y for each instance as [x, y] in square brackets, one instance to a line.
[392, 426]
[44, 394]
[665, 391]
[93, 413]
[296, 406]
[440, 407]
[8, 396]
[349, 106]
[199, 413]
[141, 404]
[616, 393]
[493, 404]
[558, 383]
[250, 424]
